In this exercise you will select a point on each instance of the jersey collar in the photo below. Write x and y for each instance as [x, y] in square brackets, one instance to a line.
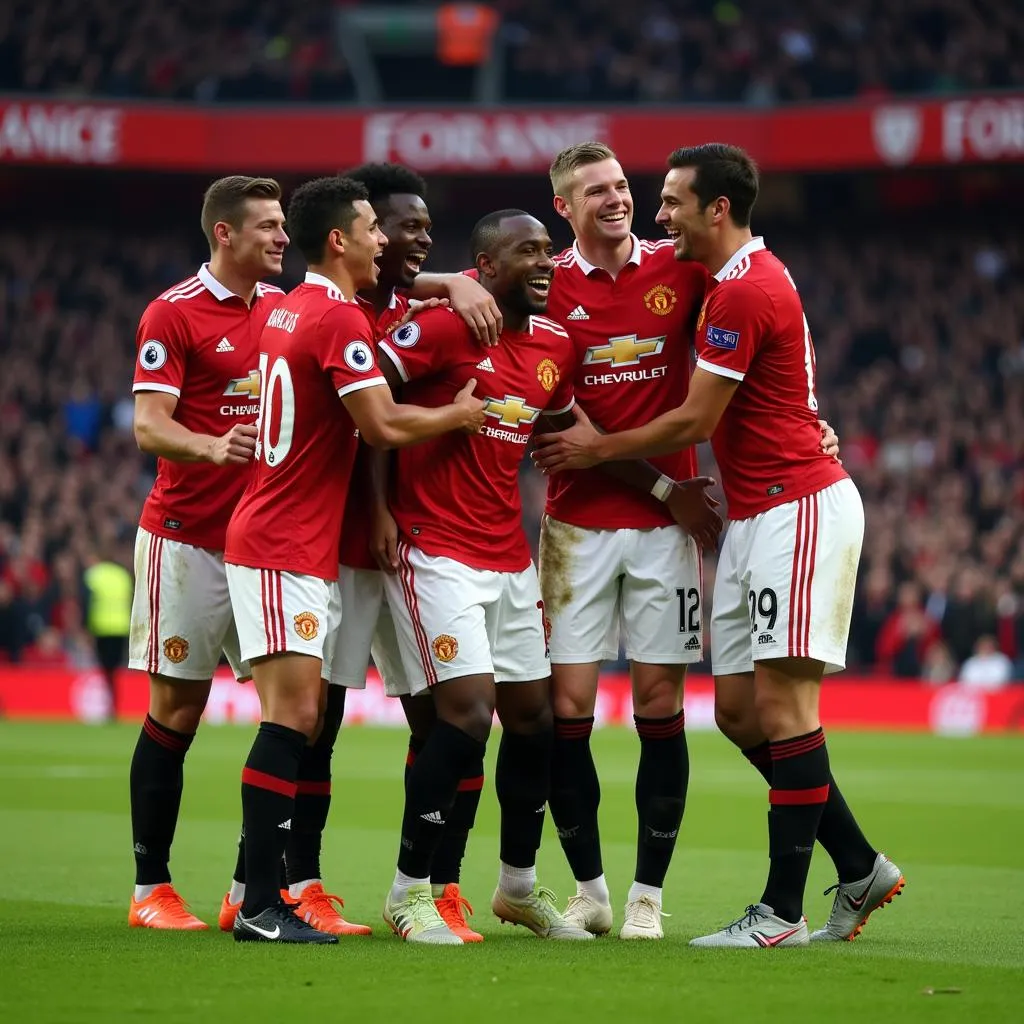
[213, 286]
[754, 245]
[325, 282]
[588, 268]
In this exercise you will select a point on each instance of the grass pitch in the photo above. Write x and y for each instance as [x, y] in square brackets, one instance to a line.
[951, 812]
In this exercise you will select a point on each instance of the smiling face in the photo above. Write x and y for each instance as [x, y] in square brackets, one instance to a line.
[680, 215]
[364, 244]
[597, 203]
[521, 269]
[405, 221]
[258, 243]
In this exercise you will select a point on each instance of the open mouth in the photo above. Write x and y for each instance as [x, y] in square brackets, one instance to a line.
[613, 218]
[538, 286]
[414, 261]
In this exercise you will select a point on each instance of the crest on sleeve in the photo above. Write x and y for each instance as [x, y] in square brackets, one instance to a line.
[358, 356]
[721, 338]
[152, 355]
[407, 335]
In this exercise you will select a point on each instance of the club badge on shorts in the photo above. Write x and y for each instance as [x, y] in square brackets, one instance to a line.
[176, 649]
[547, 374]
[307, 625]
[445, 647]
[660, 300]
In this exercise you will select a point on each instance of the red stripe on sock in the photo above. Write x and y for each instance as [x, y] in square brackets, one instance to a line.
[791, 797]
[797, 746]
[573, 728]
[308, 788]
[261, 780]
[662, 729]
[410, 758]
[159, 735]
[471, 785]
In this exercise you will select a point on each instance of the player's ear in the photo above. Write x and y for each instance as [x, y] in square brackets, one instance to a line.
[336, 241]
[485, 266]
[561, 207]
[720, 209]
[222, 232]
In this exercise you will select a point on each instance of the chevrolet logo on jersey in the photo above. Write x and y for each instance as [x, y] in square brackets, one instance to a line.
[510, 411]
[626, 350]
[249, 386]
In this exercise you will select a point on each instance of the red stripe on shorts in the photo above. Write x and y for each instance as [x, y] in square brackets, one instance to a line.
[812, 554]
[794, 588]
[407, 576]
[280, 612]
[268, 619]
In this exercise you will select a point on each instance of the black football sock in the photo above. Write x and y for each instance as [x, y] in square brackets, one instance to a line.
[797, 798]
[268, 805]
[313, 795]
[155, 782]
[661, 783]
[576, 796]
[838, 831]
[430, 788]
[415, 746]
[447, 865]
[522, 781]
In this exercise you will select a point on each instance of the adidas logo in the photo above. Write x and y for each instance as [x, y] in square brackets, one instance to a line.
[579, 313]
[286, 825]
[486, 364]
[225, 346]
[434, 817]
[693, 644]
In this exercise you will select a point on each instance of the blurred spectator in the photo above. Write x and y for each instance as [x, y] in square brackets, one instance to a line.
[938, 666]
[906, 636]
[109, 586]
[988, 668]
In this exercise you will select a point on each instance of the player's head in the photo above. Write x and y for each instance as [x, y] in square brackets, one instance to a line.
[243, 221]
[512, 253]
[592, 193]
[398, 197]
[332, 221]
[708, 189]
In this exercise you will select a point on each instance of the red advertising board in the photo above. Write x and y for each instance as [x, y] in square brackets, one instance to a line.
[847, 703]
[850, 135]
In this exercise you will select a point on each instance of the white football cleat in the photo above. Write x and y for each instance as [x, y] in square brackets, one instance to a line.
[758, 928]
[856, 901]
[643, 919]
[590, 914]
[536, 912]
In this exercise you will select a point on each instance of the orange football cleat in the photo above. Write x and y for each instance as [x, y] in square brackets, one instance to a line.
[451, 905]
[164, 908]
[316, 908]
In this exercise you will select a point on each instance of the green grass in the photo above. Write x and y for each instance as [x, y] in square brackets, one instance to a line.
[950, 811]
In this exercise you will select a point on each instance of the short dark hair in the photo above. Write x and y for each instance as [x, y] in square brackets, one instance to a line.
[487, 231]
[317, 207]
[722, 170]
[225, 200]
[385, 180]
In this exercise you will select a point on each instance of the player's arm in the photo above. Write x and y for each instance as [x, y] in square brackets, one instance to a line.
[467, 297]
[687, 501]
[384, 529]
[157, 432]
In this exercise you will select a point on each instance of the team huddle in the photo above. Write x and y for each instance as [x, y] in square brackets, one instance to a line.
[338, 479]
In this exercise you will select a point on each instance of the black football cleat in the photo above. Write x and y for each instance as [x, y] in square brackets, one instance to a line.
[278, 924]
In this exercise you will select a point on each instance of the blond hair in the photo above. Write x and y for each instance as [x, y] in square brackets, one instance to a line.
[566, 163]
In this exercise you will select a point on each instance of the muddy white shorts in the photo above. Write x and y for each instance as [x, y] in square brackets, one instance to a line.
[366, 629]
[278, 611]
[640, 586]
[786, 581]
[181, 611]
[453, 620]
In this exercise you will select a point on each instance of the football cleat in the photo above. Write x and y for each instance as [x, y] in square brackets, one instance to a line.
[855, 902]
[583, 911]
[164, 908]
[643, 919]
[278, 924]
[316, 908]
[229, 910]
[416, 918]
[538, 913]
[758, 928]
[452, 907]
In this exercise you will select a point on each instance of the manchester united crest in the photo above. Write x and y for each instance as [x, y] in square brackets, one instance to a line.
[307, 625]
[445, 647]
[700, 319]
[660, 300]
[547, 374]
[175, 649]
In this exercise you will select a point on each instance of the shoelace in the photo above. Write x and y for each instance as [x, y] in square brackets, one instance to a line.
[648, 912]
[750, 917]
[451, 906]
[322, 904]
[423, 909]
[547, 897]
[172, 903]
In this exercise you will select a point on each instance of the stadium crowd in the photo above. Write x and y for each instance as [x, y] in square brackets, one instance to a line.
[917, 370]
[750, 51]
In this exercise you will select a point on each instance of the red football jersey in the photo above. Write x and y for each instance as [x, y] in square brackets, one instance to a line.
[354, 550]
[458, 495]
[199, 342]
[632, 338]
[317, 347]
[768, 442]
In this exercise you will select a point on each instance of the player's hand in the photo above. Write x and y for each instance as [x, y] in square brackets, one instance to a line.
[472, 407]
[475, 304]
[236, 447]
[384, 541]
[829, 441]
[575, 448]
[417, 306]
[694, 510]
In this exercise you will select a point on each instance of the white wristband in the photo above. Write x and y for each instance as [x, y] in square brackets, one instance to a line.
[662, 487]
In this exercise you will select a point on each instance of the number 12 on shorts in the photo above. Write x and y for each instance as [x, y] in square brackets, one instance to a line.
[689, 609]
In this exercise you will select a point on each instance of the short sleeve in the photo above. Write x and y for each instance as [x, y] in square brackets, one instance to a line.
[161, 344]
[423, 345]
[346, 349]
[735, 321]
